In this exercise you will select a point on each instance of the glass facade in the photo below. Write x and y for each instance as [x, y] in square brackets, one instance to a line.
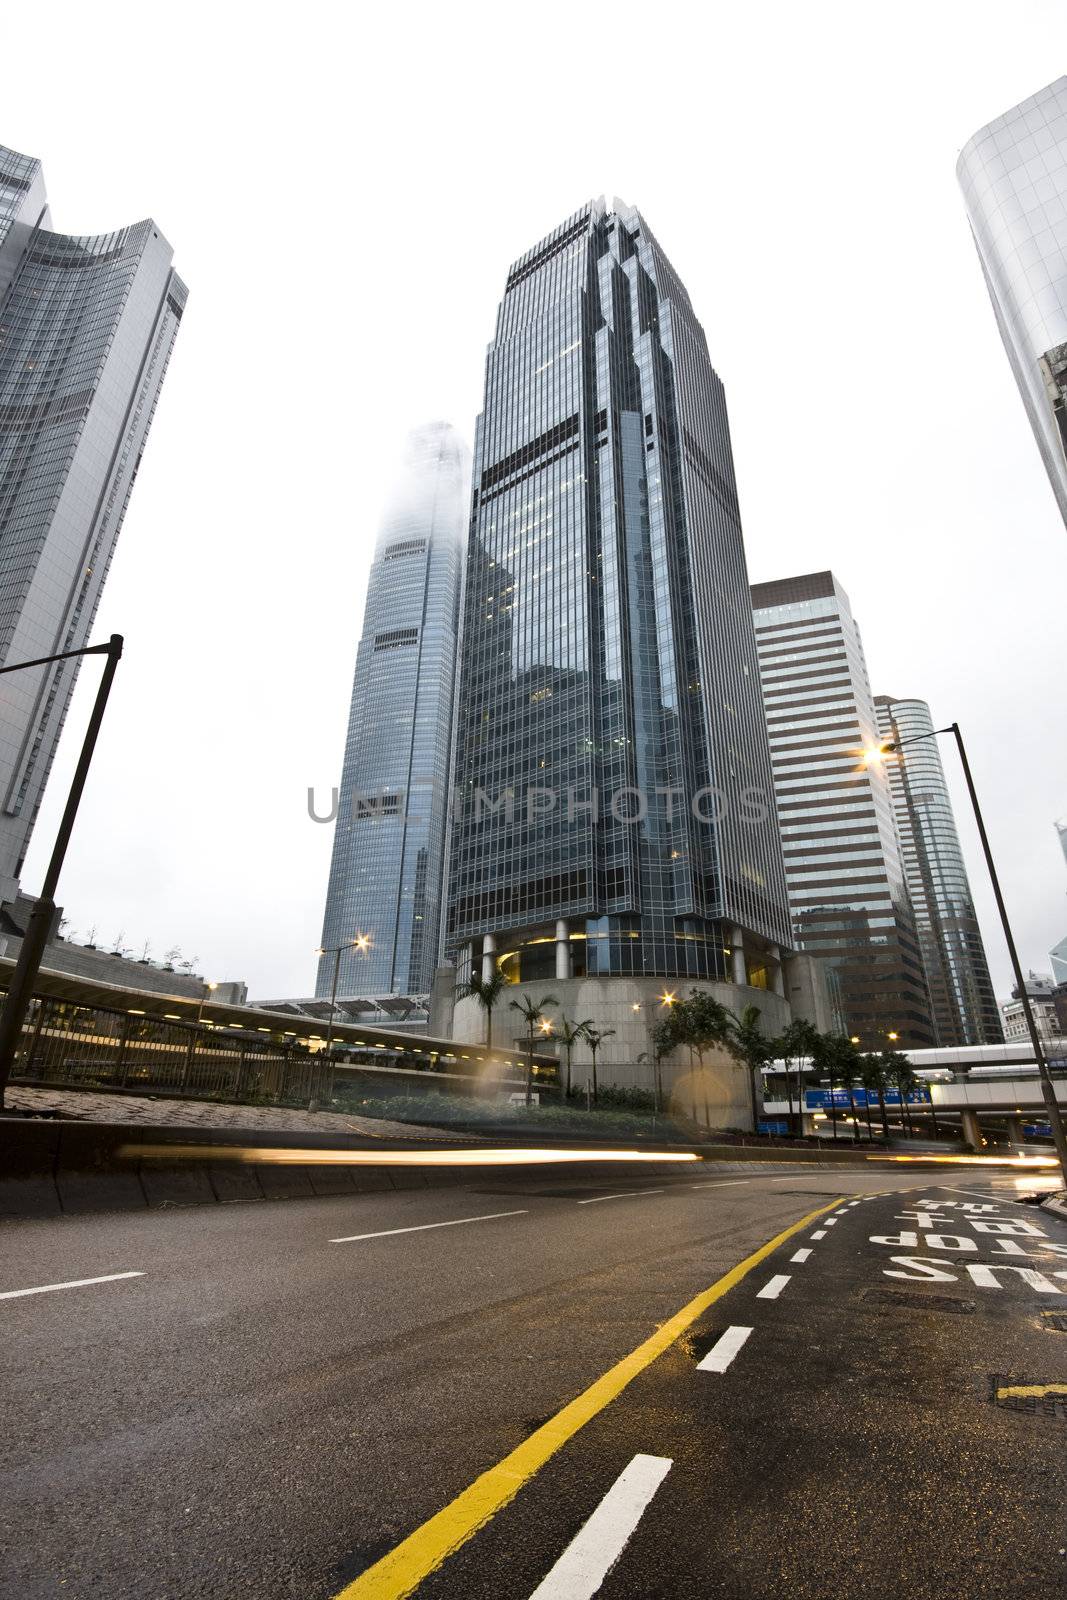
[847, 889]
[957, 973]
[612, 778]
[389, 841]
[86, 330]
[1014, 179]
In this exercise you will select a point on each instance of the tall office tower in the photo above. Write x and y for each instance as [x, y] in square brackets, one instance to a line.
[957, 973]
[86, 330]
[847, 890]
[389, 842]
[609, 680]
[1014, 178]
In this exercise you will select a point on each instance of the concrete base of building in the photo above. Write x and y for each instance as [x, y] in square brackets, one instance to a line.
[716, 1094]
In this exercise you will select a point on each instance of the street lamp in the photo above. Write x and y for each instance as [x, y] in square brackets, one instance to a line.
[208, 989]
[24, 977]
[362, 943]
[1048, 1088]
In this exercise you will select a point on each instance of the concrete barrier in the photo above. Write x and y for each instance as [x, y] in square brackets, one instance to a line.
[51, 1168]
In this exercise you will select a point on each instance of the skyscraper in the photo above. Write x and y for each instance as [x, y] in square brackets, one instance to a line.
[389, 841]
[614, 816]
[86, 330]
[957, 973]
[1014, 179]
[847, 891]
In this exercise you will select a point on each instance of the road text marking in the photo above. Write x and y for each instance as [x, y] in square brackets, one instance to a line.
[598, 1544]
[403, 1568]
[75, 1283]
[723, 1350]
[385, 1233]
[773, 1287]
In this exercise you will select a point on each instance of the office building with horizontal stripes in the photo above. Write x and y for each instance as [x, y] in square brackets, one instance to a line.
[609, 681]
[87, 325]
[383, 902]
[957, 972]
[848, 896]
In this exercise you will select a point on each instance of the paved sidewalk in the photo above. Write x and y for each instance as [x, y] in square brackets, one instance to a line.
[85, 1105]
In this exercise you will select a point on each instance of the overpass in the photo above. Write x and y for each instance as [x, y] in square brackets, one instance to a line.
[967, 1083]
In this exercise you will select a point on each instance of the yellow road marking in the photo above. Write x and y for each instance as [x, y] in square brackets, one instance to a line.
[1030, 1391]
[401, 1571]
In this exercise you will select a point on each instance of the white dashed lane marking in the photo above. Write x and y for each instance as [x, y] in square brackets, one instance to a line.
[74, 1283]
[723, 1350]
[801, 1255]
[820, 1233]
[598, 1544]
[773, 1287]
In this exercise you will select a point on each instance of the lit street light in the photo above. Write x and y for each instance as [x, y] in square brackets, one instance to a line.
[361, 943]
[1048, 1088]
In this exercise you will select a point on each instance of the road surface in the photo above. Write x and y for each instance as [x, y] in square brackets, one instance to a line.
[553, 1390]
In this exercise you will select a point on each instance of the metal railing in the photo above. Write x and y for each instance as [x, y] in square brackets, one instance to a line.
[74, 1046]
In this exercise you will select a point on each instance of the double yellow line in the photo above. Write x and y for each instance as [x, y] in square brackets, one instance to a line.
[400, 1572]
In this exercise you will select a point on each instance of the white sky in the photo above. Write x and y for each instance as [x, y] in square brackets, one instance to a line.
[345, 188]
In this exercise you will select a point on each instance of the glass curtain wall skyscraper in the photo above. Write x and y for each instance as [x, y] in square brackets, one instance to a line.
[957, 973]
[847, 889]
[1013, 173]
[609, 681]
[389, 841]
[86, 329]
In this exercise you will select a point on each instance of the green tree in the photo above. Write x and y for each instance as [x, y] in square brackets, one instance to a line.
[569, 1034]
[487, 992]
[836, 1057]
[899, 1073]
[873, 1079]
[532, 1013]
[594, 1038]
[663, 1037]
[797, 1043]
[755, 1051]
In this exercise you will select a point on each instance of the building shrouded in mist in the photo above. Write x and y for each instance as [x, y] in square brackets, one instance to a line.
[957, 973]
[1014, 178]
[847, 889]
[86, 330]
[614, 815]
[385, 885]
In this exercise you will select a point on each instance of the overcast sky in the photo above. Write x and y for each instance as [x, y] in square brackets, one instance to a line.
[344, 189]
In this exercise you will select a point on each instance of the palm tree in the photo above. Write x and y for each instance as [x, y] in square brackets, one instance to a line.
[898, 1071]
[798, 1040]
[487, 992]
[569, 1034]
[594, 1038]
[873, 1078]
[532, 1013]
[663, 1035]
[836, 1055]
[752, 1048]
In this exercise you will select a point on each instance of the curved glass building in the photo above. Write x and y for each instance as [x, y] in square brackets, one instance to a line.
[957, 974]
[1014, 178]
[86, 330]
[614, 809]
[385, 883]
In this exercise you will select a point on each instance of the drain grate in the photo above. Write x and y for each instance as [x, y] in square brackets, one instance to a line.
[1031, 1399]
[913, 1300]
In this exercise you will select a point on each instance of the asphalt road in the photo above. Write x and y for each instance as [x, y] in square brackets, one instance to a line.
[477, 1410]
